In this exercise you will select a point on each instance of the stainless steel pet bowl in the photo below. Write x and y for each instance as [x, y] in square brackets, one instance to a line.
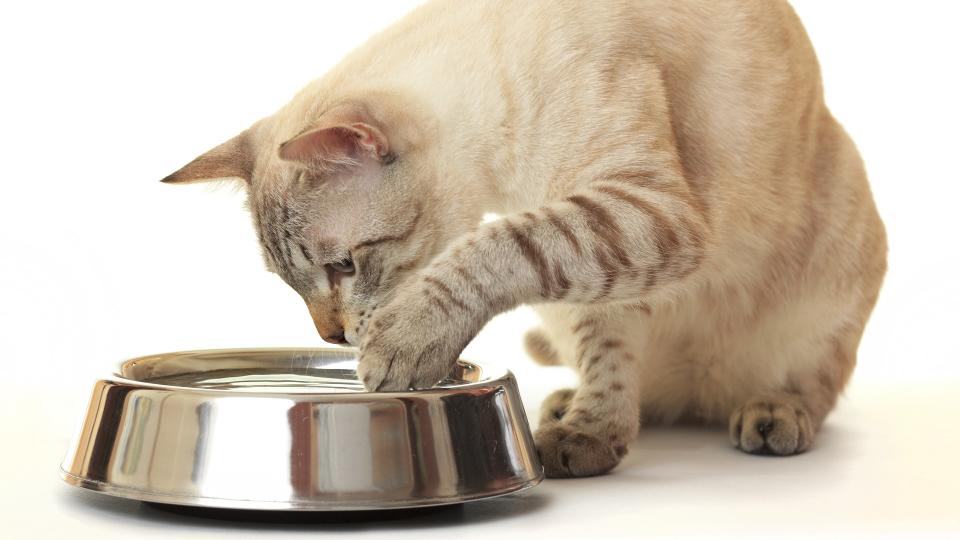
[293, 429]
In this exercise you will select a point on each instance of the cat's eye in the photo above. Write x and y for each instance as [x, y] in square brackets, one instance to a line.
[343, 266]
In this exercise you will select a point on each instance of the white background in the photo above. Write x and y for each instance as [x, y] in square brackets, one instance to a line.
[100, 262]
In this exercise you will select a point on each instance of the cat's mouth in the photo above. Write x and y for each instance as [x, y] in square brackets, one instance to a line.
[355, 334]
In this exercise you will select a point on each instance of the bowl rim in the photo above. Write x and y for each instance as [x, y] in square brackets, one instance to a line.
[491, 378]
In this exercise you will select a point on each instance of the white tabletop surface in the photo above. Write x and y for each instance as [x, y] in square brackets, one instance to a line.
[886, 462]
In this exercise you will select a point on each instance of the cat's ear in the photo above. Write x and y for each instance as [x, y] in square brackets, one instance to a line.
[232, 159]
[341, 140]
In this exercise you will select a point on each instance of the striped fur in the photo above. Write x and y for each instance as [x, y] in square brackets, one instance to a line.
[694, 226]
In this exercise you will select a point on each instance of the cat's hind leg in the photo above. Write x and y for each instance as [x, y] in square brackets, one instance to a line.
[539, 348]
[585, 432]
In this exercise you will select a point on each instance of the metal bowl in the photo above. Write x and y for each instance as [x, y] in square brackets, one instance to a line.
[293, 429]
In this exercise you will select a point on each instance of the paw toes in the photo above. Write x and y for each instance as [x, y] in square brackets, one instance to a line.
[556, 406]
[765, 427]
[567, 453]
[736, 427]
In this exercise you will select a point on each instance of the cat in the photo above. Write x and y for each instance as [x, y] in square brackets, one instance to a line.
[675, 199]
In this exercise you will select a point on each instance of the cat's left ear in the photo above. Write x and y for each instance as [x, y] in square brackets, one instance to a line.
[342, 138]
[232, 159]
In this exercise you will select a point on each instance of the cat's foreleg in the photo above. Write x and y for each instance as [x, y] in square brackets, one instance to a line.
[620, 239]
[585, 432]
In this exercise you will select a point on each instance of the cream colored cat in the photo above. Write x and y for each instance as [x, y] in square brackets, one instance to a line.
[695, 228]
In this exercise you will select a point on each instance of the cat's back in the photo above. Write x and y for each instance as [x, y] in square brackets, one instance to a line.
[739, 75]
[717, 59]
[700, 47]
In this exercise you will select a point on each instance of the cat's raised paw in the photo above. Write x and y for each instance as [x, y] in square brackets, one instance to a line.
[412, 343]
[393, 364]
[769, 426]
[567, 452]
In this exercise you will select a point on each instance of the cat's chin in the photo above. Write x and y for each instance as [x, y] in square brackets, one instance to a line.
[353, 339]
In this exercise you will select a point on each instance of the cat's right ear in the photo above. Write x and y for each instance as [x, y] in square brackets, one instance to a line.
[345, 137]
[232, 159]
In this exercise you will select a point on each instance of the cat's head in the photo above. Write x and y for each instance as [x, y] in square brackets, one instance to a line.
[346, 205]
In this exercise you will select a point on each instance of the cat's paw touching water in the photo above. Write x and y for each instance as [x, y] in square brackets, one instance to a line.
[411, 343]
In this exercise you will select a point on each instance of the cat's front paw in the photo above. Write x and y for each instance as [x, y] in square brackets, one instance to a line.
[568, 452]
[412, 343]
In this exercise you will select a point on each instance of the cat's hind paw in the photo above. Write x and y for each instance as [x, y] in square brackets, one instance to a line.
[556, 406]
[771, 426]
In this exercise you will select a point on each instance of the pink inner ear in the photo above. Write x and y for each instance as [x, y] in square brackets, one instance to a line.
[342, 144]
[321, 145]
[371, 139]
